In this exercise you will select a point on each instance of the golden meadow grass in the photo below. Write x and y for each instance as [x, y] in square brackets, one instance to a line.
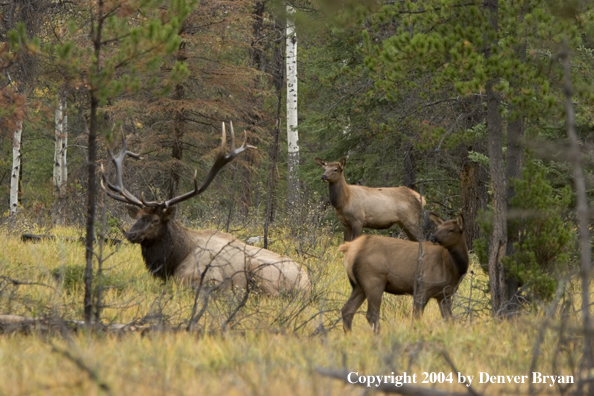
[272, 346]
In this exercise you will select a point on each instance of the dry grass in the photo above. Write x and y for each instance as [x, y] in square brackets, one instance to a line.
[272, 346]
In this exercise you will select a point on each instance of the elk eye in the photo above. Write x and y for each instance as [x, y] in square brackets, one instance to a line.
[155, 221]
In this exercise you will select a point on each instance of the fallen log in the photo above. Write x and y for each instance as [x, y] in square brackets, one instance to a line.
[25, 324]
[43, 237]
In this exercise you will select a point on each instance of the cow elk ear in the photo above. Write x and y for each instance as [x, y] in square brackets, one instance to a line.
[435, 219]
[342, 163]
[320, 162]
[460, 221]
[169, 213]
[133, 211]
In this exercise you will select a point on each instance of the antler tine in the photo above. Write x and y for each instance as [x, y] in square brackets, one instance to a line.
[124, 194]
[104, 181]
[221, 160]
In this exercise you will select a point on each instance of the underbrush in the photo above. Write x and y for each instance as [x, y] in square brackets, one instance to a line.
[261, 345]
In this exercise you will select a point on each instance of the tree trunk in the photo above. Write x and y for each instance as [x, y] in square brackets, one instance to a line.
[60, 154]
[254, 116]
[514, 160]
[409, 179]
[60, 176]
[292, 133]
[16, 168]
[474, 196]
[498, 243]
[179, 126]
[274, 150]
[92, 166]
[583, 216]
[58, 134]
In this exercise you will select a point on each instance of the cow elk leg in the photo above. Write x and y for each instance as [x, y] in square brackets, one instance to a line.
[374, 302]
[411, 231]
[357, 229]
[445, 307]
[348, 233]
[352, 305]
[419, 307]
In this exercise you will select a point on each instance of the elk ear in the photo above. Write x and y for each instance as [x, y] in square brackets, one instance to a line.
[342, 163]
[460, 221]
[133, 211]
[169, 213]
[435, 219]
[320, 162]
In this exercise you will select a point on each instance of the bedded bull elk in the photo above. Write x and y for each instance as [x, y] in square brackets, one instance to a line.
[359, 206]
[172, 250]
[377, 264]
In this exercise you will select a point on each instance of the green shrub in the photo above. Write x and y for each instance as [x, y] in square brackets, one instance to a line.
[545, 235]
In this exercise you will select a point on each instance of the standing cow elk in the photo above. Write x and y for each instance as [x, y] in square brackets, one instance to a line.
[377, 264]
[172, 250]
[359, 206]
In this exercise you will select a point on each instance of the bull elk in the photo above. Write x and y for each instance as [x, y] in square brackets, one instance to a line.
[379, 208]
[172, 250]
[377, 264]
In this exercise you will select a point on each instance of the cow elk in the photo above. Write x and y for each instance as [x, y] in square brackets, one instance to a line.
[172, 250]
[379, 208]
[377, 264]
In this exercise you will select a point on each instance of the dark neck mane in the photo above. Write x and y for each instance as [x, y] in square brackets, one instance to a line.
[162, 256]
[460, 258]
[338, 193]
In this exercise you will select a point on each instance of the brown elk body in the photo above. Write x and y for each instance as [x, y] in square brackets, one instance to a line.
[171, 250]
[377, 264]
[359, 207]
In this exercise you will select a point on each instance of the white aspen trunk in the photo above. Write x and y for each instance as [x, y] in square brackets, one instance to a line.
[58, 147]
[63, 153]
[61, 134]
[16, 169]
[292, 133]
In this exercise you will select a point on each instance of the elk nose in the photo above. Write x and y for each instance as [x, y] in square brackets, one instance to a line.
[132, 237]
[324, 177]
[434, 239]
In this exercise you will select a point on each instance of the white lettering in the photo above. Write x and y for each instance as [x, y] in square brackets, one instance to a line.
[349, 377]
[465, 379]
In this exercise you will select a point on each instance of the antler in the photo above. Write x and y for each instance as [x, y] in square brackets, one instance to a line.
[121, 193]
[221, 160]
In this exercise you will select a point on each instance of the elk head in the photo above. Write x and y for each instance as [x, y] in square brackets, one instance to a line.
[449, 233]
[333, 171]
[152, 216]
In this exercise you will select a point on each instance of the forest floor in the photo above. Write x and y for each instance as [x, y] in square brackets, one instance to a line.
[269, 345]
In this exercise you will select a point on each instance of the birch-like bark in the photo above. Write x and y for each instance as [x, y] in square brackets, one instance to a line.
[60, 155]
[16, 169]
[292, 133]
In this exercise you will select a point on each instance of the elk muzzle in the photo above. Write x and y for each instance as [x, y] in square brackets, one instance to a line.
[134, 236]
